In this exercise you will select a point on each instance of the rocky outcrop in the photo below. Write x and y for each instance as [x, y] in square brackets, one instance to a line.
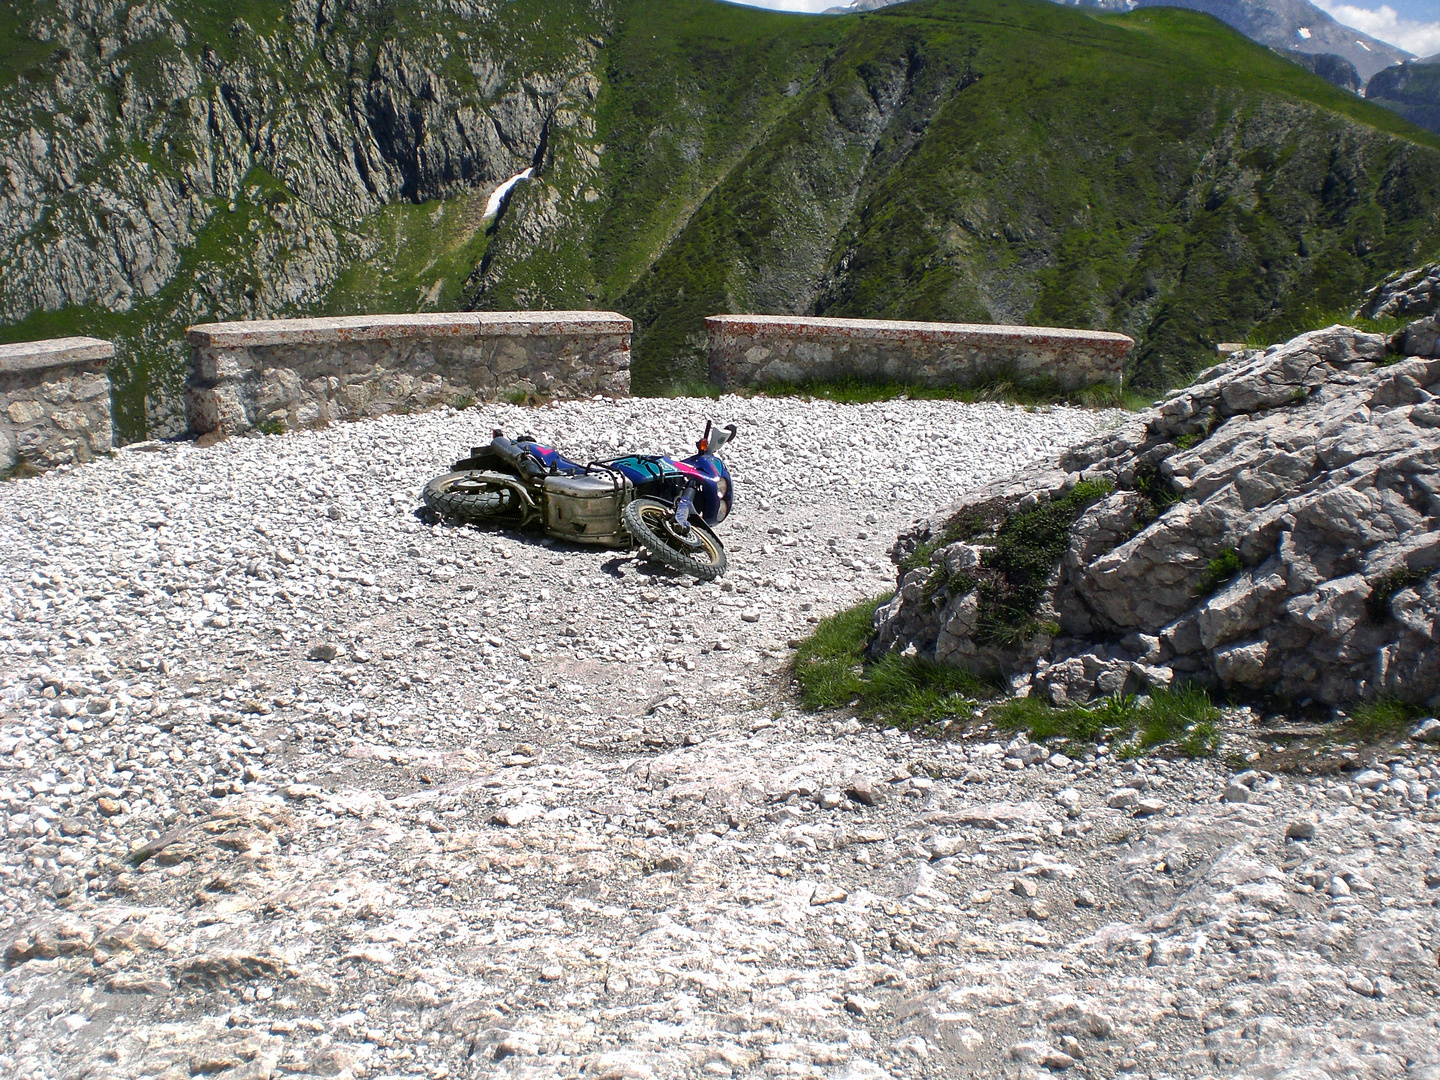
[1272, 530]
[1335, 70]
[1406, 294]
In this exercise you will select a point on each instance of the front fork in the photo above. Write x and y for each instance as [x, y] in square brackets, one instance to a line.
[684, 507]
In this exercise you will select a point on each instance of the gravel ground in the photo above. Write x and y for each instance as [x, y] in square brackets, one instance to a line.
[551, 812]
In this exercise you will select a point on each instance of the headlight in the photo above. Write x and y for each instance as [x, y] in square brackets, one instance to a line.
[722, 486]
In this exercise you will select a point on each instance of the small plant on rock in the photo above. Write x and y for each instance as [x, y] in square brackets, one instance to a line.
[1221, 569]
[1383, 718]
[1377, 604]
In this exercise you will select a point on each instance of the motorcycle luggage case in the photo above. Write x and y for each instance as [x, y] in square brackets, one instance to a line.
[586, 509]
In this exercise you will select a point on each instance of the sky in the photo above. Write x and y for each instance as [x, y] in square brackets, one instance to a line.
[1413, 25]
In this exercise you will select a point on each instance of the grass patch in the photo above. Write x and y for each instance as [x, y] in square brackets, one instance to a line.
[1007, 389]
[271, 427]
[1383, 718]
[21, 470]
[1315, 318]
[1183, 719]
[1220, 570]
[1377, 604]
[832, 672]
[462, 402]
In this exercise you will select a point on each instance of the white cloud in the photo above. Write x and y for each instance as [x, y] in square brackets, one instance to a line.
[1383, 22]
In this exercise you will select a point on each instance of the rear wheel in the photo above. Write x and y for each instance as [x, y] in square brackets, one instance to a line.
[697, 552]
[469, 496]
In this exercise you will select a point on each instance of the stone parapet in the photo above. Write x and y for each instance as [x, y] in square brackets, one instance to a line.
[771, 350]
[304, 372]
[54, 401]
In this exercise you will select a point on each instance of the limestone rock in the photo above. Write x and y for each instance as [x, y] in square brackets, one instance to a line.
[1273, 527]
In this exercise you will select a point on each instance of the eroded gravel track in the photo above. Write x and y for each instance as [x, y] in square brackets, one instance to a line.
[551, 812]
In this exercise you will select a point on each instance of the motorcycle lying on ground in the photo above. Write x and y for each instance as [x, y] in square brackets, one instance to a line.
[667, 505]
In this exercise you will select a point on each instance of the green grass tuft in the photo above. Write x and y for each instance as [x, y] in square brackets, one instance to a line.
[271, 427]
[1377, 604]
[1383, 718]
[23, 469]
[1023, 549]
[832, 672]
[1016, 570]
[1220, 570]
[1183, 718]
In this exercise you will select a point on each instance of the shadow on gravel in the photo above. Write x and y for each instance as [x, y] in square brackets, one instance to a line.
[615, 567]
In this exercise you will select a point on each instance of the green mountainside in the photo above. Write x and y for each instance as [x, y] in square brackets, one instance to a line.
[981, 160]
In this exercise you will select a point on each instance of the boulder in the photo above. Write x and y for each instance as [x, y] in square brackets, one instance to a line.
[1272, 528]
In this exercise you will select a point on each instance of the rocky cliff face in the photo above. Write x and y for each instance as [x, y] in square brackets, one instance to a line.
[1335, 70]
[223, 168]
[1273, 530]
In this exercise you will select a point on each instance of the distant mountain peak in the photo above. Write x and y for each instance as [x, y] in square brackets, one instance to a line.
[1287, 25]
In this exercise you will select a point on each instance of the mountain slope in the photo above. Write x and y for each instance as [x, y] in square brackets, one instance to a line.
[1151, 173]
[979, 159]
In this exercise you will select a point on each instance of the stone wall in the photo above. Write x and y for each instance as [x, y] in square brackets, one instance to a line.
[54, 401]
[770, 350]
[305, 372]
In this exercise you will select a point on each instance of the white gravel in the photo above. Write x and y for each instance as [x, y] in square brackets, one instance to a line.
[551, 812]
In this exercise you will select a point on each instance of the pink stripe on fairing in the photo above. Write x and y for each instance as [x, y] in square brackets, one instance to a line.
[689, 470]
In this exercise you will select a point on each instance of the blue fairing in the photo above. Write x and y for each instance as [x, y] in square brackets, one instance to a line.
[713, 494]
[552, 458]
[665, 476]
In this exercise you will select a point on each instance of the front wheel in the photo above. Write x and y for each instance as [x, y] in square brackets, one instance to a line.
[470, 496]
[698, 552]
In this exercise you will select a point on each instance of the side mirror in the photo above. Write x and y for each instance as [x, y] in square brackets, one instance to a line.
[719, 438]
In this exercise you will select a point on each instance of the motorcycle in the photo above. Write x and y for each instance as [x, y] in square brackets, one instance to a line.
[666, 505]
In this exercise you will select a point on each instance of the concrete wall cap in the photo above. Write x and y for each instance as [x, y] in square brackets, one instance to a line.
[239, 335]
[816, 327]
[55, 353]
